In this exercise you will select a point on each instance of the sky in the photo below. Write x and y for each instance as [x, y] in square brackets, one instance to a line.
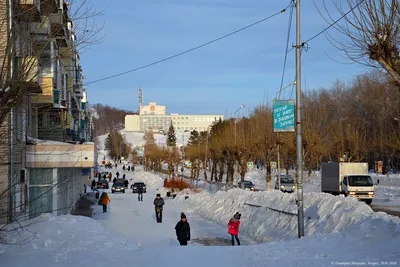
[245, 68]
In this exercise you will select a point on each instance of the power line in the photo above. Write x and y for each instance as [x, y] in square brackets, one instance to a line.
[331, 25]
[286, 49]
[191, 49]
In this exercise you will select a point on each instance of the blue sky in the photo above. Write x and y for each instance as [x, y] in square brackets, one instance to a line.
[242, 69]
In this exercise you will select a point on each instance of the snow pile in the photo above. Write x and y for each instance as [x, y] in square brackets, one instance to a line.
[387, 192]
[324, 213]
[60, 235]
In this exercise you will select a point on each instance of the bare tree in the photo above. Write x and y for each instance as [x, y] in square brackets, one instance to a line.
[372, 31]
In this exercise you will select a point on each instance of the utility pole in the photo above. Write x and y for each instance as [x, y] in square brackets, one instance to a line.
[279, 164]
[299, 145]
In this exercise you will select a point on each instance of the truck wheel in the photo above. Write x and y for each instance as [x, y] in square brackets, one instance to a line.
[368, 201]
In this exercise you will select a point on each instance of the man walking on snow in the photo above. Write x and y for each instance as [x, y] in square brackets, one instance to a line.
[140, 192]
[158, 205]
[182, 229]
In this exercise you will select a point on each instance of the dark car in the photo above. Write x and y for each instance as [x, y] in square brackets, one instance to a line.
[248, 185]
[102, 184]
[135, 187]
[287, 184]
[118, 187]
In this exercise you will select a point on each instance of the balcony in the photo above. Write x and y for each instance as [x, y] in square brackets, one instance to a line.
[26, 72]
[44, 154]
[50, 6]
[58, 23]
[46, 97]
[28, 10]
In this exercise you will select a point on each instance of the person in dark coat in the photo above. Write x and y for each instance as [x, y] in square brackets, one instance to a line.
[158, 205]
[123, 167]
[129, 168]
[117, 175]
[93, 184]
[126, 182]
[140, 192]
[116, 165]
[133, 168]
[182, 229]
[114, 180]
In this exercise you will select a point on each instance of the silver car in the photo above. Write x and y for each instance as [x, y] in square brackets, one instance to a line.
[287, 184]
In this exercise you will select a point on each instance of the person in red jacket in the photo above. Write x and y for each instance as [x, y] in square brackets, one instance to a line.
[233, 228]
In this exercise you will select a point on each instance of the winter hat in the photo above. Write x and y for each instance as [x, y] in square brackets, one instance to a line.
[183, 215]
[237, 216]
[158, 195]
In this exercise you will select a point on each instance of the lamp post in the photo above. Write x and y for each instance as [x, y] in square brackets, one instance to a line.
[234, 116]
[183, 153]
[237, 167]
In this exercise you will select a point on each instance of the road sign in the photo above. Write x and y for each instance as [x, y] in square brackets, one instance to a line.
[250, 165]
[284, 115]
[273, 164]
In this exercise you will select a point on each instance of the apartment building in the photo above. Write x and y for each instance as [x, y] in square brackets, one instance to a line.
[160, 121]
[46, 126]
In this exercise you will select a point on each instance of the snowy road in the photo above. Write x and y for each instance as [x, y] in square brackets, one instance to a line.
[136, 221]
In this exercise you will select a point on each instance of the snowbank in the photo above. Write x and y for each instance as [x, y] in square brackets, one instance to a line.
[324, 213]
[61, 235]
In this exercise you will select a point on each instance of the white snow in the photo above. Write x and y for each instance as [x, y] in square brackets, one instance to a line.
[340, 231]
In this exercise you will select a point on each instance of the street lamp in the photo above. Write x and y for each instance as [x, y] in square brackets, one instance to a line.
[234, 116]
[183, 150]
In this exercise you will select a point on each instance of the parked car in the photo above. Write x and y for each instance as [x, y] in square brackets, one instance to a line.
[287, 184]
[135, 187]
[118, 187]
[102, 184]
[248, 185]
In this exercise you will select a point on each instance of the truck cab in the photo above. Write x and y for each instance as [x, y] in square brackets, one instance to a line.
[358, 186]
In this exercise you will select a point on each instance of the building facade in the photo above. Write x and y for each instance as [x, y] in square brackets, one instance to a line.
[152, 109]
[41, 70]
[160, 121]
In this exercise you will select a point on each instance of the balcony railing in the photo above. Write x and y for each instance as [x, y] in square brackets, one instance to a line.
[28, 10]
[27, 73]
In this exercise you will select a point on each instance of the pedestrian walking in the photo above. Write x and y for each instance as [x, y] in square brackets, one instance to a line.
[104, 200]
[114, 180]
[182, 229]
[124, 176]
[140, 192]
[126, 183]
[93, 184]
[129, 168]
[233, 228]
[123, 168]
[158, 205]
[117, 175]
[116, 165]
[133, 168]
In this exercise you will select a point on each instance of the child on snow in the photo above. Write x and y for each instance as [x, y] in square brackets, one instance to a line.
[233, 228]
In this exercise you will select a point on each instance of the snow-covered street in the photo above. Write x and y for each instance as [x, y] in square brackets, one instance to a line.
[341, 232]
[137, 223]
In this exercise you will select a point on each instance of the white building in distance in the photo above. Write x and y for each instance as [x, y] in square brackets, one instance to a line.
[154, 118]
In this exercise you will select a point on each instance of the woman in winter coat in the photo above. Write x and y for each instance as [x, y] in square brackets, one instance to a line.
[104, 200]
[182, 229]
[233, 228]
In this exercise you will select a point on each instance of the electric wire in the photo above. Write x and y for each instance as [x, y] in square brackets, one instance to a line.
[191, 49]
[286, 49]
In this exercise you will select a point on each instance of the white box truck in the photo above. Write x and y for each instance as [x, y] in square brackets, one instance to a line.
[350, 179]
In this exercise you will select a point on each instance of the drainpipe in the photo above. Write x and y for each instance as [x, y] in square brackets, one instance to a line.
[10, 212]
